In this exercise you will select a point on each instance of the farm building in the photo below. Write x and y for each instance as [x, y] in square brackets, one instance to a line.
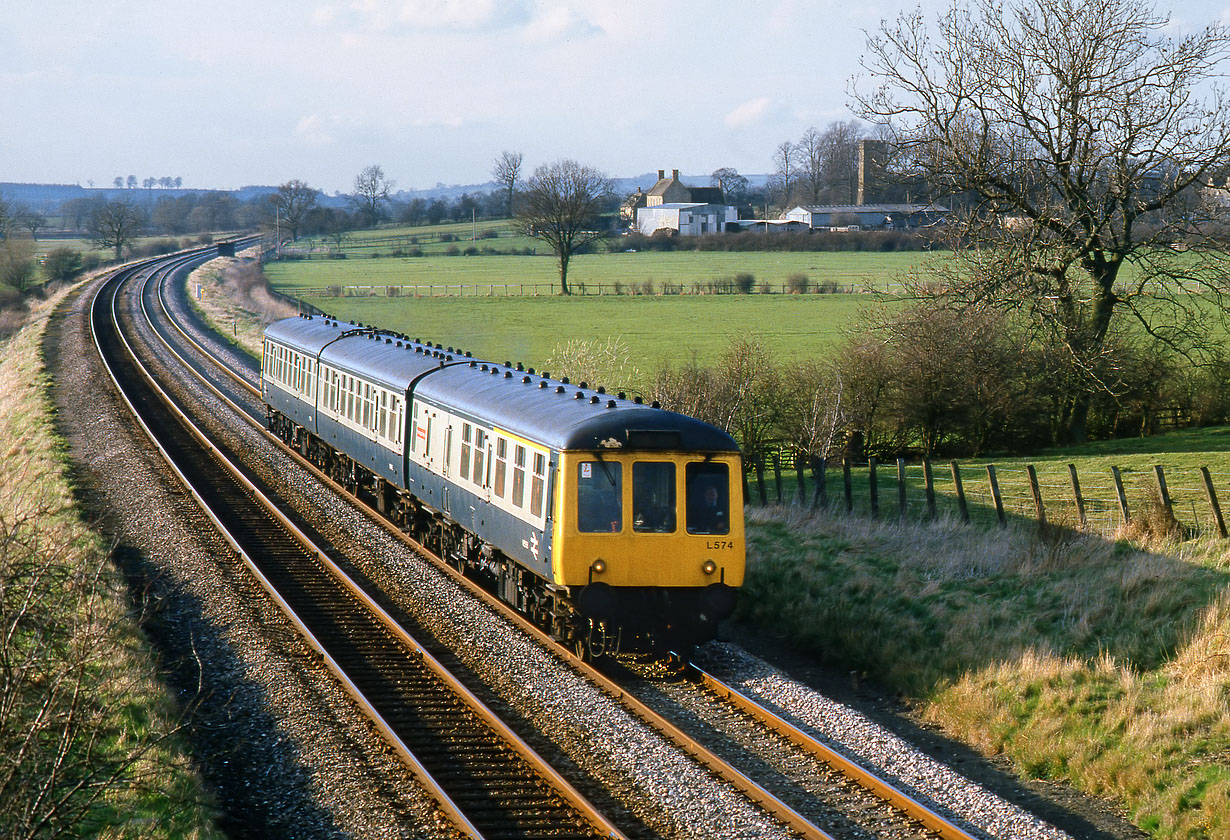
[866, 216]
[685, 219]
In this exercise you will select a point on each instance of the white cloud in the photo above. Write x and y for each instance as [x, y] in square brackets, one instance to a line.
[749, 114]
[430, 15]
[561, 23]
[313, 129]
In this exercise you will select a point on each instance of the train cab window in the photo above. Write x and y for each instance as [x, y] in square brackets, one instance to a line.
[518, 482]
[464, 470]
[599, 497]
[653, 497]
[480, 452]
[501, 465]
[538, 483]
[708, 489]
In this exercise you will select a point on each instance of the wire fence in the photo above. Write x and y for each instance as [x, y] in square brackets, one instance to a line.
[1103, 501]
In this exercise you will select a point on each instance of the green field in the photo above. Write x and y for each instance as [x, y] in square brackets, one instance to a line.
[692, 270]
[472, 306]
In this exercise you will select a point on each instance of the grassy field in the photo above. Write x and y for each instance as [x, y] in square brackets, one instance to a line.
[693, 270]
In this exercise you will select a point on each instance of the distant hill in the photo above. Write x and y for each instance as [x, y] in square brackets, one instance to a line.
[49, 197]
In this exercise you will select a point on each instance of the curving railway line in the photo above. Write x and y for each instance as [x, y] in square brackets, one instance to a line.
[485, 777]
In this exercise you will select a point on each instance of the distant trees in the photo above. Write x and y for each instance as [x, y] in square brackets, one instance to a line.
[115, 224]
[561, 205]
[371, 191]
[785, 172]
[506, 170]
[293, 201]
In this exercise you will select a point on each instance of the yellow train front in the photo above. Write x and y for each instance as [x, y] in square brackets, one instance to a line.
[650, 541]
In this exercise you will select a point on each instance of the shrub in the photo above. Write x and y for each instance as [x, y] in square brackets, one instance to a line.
[62, 264]
[452, 251]
[744, 281]
[798, 283]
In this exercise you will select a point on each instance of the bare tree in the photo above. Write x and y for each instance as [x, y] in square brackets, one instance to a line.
[734, 185]
[1080, 132]
[506, 170]
[785, 171]
[371, 190]
[561, 204]
[810, 152]
[292, 202]
[839, 162]
[30, 219]
[115, 224]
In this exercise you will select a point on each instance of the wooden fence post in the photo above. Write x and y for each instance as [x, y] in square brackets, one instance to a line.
[962, 507]
[777, 476]
[1123, 504]
[1076, 494]
[1037, 494]
[901, 487]
[873, 492]
[1212, 494]
[819, 467]
[747, 496]
[802, 479]
[1162, 489]
[848, 485]
[764, 497]
[999, 502]
[929, 483]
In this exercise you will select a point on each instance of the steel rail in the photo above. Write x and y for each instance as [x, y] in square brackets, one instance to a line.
[885, 790]
[561, 785]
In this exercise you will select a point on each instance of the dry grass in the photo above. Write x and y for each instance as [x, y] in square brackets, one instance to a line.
[67, 623]
[234, 297]
[1104, 663]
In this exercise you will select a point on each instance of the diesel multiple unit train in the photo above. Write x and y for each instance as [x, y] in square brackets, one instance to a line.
[610, 523]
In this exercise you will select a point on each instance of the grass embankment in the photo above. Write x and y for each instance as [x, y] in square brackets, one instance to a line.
[1089, 660]
[88, 733]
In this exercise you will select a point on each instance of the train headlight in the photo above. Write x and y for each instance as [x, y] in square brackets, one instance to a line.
[598, 566]
[708, 567]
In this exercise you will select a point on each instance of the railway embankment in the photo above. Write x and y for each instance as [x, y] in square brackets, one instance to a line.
[91, 739]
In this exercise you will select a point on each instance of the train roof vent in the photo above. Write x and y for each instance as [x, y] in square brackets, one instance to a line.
[601, 389]
[594, 399]
[580, 395]
[525, 380]
[564, 380]
[542, 384]
[637, 399]
[610, 403]
[559, 389]
[508, 374]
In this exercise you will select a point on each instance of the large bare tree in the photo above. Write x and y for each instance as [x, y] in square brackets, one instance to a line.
[293, 201]
[371, 190]
[560, 206]
[507, 171]
[115, 224]
[1078, 134]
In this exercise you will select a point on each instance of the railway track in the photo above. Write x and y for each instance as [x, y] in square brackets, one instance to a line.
[486, 779]
[911, 816]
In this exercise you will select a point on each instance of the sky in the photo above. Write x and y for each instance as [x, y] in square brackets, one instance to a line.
[231, 93]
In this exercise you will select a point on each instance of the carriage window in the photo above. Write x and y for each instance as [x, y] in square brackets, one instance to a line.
[501, 465]
[464, 471]
[708, 488]
[538, 484]
[599, 497]
[518, 488]
[384, 414]
[480, 452]
[653, 497]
